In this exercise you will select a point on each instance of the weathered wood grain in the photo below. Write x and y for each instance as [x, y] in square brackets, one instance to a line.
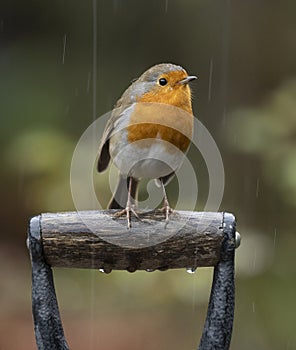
[98, 239]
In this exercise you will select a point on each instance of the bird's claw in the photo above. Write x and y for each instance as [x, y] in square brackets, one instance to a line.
[127, 211]
[167, 210]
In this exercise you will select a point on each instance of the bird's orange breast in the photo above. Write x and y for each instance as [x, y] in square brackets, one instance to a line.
[163, 116]
[151, 120]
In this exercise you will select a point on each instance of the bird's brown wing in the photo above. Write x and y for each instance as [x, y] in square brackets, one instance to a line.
[121, 106]
[104, 154]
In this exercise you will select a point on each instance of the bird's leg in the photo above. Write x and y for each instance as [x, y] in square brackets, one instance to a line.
[128, 209]
[166, 206]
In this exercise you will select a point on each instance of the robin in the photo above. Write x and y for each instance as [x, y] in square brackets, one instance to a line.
[148, 133]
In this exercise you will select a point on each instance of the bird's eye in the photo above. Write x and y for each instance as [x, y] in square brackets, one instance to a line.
[162, 81]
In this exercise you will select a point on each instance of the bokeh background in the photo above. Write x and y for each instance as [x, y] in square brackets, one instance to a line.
[53, 85]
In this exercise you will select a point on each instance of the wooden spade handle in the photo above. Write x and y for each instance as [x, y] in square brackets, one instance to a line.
[100, 240]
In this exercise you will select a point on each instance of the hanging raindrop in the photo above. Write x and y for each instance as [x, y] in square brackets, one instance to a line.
[191, 270]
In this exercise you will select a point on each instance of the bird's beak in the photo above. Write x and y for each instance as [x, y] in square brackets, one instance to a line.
[187, 79]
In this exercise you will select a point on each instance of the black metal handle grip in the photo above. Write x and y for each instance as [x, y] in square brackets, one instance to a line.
[47, 321]
[218, 325]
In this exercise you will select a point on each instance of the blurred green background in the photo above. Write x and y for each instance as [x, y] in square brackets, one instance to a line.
[244, 54]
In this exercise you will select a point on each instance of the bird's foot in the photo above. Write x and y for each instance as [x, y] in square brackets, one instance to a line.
[167, 210]
[127, 211]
